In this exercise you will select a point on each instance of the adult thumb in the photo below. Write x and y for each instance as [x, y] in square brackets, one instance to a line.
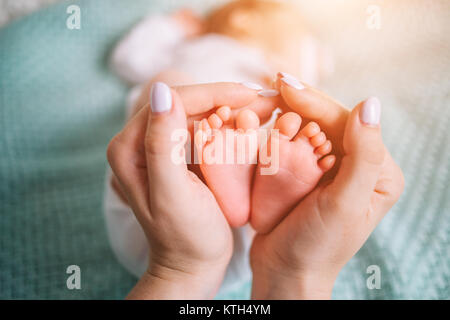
[364, 155]
[165, 139]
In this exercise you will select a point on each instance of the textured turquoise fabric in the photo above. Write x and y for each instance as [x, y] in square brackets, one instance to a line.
[60, 105]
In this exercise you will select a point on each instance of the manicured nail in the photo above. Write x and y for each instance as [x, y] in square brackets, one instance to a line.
[370, 111]
[268, 93]
[252, 85]
[160, 97]
[285, 75]
[292, 82]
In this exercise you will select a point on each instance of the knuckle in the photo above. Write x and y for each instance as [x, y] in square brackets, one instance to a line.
[152, 146]
[158, 146]
[112, 150]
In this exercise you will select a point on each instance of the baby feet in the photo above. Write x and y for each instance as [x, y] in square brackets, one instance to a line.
[228, 150]
[301, 158]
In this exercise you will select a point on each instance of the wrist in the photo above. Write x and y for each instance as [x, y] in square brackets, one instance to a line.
[161, 282]
[298, 285]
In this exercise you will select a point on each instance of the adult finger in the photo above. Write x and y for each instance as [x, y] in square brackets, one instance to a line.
[313, 105]
[165, 139]
[126, 157]
[365, 153]
[201, 98]
[387, 191]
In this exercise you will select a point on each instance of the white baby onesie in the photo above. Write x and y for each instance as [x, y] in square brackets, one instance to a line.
[155, 44]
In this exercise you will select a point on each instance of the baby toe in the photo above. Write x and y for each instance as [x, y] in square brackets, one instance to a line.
[327, 163]
[200, 139]
[215, 121]
[323, 149]
[318, 139]
[224, 113]
[309, 131]
[204, 125]
[205, 128]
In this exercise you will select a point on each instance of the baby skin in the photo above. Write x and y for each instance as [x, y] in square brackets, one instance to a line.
[228, 150]
[302, 160]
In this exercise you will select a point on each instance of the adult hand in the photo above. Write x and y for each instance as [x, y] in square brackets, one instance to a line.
[189, 237]
[302, 256]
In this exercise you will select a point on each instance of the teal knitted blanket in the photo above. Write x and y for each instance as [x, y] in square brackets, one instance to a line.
[60, 105]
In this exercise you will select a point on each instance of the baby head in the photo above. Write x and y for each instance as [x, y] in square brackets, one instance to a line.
[276, 28]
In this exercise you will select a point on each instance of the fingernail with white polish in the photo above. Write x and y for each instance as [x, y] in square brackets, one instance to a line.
[252, 85]
[286, 75]
[160, 97]
[268, 93]
[370, 111]
[292, 82]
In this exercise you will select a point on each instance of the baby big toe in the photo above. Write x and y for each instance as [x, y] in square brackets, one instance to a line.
[289, 124]
[247, 119]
